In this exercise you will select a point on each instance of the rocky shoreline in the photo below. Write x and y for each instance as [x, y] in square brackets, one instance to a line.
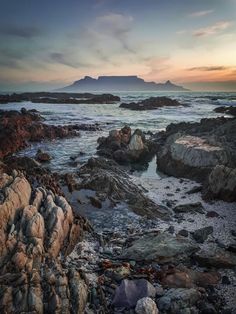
[156, 248]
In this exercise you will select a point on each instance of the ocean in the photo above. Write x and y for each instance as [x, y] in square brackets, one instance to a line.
[110, 116]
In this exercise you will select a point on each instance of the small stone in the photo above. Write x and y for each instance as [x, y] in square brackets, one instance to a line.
[146, 306]
[183, 233]
[202, 234]
[225, 280]
[212, 214]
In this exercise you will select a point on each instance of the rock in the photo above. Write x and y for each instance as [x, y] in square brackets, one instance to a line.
[17, 129]
[225, 280]
[161, 248]
[227, 110]
[222, 184]
[113, 183]
[202, 234]
[146, 306]
[216, 257]
[183, 233]
[212, 214]
[37, 231]
[59, 98]
[178, 300]
[151, 104]
[130, 291]
[232, 247]
[123, 147]
[183, 277]
[42, 156]
[193, 150]
[192, 208]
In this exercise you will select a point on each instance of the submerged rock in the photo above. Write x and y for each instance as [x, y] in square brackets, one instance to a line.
[161, 248]
[37, 230]
[226, 109]
[43, 156]
[130, 291]
[151, 103]
[111, 182]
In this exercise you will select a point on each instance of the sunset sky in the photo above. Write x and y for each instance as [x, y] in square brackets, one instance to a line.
[49, 43]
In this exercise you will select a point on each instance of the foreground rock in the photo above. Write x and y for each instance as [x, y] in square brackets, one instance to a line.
[130, 291]
[179, 301]
[146, 306]
[125, 147]
[151, 104]
[37, 231]
[112, 183]
[161, 248]
[60, 98]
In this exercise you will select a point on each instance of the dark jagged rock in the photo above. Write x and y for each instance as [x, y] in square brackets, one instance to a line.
[151, 103]
[125, 147]
[60, 98]
[202, 234]
[189, 208]
[227, 110]
[37, 231]
[110, 181]
[17, 129]
[43, 156]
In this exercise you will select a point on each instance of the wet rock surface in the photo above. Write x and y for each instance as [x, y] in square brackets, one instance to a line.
[113, 183]
[231, 110]
[125, 147]
[151, 103]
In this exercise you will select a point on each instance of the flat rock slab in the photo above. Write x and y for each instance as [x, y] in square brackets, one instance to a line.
[189, 208]
[216, 257]
[130, 291]
[178, 300]
[161, 248]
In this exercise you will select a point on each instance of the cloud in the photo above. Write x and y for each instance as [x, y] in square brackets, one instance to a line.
[209, 68]
[201, 13]
[67, 60]
[213, 29]
[117, 26]
[22, 32]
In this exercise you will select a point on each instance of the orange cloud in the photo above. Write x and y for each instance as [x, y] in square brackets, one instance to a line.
[213, 29]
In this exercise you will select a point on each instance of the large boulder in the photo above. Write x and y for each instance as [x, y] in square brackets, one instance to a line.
[222, 184]
[161, 248]
[38, 230]
[193, 150]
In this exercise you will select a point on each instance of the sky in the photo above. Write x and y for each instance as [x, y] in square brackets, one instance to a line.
[48, 44]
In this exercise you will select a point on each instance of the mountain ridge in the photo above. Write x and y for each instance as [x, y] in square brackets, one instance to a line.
[119, 83]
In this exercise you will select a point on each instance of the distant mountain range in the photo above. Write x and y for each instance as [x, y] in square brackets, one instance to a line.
[119, 83]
